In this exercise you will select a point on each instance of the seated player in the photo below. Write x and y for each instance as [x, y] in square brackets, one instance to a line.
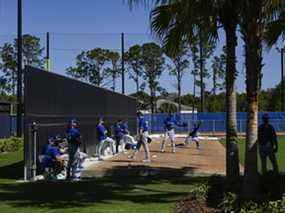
[51, 159]
[104, 139]
[169, 124]
[193, 135]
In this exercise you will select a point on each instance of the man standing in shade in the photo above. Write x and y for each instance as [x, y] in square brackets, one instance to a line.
[74, 141]
[268, 145]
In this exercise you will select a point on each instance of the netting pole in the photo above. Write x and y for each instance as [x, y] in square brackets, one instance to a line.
[123, 62]
[282, 80]
[47, 52]
[19, 71]
[34, 130]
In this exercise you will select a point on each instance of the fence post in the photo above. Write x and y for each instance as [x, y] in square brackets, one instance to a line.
[34, 131]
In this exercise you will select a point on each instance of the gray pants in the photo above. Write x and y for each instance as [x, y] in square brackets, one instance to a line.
[171, 135]
[267, 151]
[143, 141]
[104, 143]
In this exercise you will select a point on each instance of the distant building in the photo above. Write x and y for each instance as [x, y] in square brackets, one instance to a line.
[184, 109]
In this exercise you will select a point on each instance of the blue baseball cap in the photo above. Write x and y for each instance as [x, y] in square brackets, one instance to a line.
[51, 139]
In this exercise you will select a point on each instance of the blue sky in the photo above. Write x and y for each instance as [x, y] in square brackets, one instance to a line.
[79, 25]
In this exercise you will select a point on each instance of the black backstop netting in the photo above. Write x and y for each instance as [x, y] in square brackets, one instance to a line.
[5, 120]
[51, 100]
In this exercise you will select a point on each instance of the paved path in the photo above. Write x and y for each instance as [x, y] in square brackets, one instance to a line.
[210, 159]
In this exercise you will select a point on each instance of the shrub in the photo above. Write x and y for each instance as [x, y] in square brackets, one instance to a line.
[231, 203]
[11, 144]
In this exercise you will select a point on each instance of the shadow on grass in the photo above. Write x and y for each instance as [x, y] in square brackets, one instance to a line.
[272, 188]
[12, 171]
[118, 184]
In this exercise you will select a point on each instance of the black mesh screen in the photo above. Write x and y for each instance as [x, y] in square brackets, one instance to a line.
[51, 100]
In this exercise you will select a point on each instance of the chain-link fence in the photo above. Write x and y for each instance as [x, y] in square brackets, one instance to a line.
[213, 122]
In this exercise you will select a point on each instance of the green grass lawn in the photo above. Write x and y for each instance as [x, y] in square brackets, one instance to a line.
[280, 154]
[115, 193]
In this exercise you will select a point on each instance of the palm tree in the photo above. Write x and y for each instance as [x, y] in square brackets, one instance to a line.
[184, 19]
[256, 15]
[229, 17]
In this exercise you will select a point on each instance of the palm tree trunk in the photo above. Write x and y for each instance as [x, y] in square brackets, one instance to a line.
[232, 156]
[179, 93]
[152, 98]
[194, 96]
[252, 31]
[202, 107]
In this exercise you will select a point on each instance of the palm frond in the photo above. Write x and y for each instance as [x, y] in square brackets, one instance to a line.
[274, 30]
[181, 21]
[147, 3]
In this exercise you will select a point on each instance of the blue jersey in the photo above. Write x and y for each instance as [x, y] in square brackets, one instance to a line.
[50, 155]
[194, 133]
[170, 122]
[73, 135]
[143, 124]
[119, 131]
[101, 131]
[125, 128]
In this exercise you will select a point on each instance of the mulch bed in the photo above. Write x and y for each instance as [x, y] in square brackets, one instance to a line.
[192, 204]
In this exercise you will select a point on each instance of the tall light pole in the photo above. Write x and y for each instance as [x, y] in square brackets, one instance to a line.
[123, 62]
[48, 68]
[19, 71]
[282, 79]
[202, 89]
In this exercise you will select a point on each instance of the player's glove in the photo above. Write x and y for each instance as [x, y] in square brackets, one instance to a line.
[275, 149]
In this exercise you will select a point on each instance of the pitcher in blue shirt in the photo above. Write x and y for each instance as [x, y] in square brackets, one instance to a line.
[169, 123]
[103, 139]
[193, 135]
[143, 138]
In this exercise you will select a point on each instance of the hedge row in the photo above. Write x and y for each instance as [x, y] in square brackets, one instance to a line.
[11, 144]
